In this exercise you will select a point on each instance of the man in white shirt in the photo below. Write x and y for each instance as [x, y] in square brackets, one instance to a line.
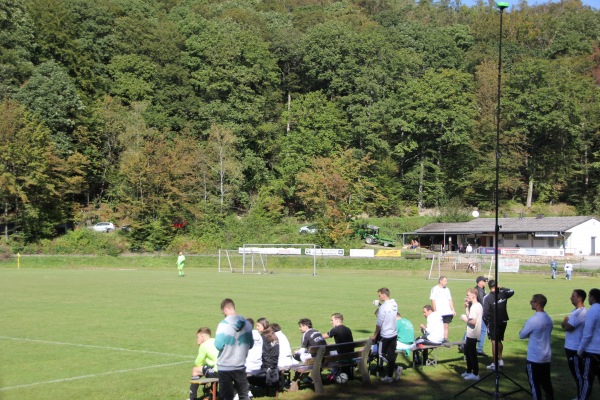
[441, 301]
[433, 333]
[538, 329]
[568, 271]
[589, 347]
[573, 325]
[386, 328]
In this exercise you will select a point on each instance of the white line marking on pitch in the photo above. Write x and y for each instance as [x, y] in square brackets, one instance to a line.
[94, 346]
[91, 376]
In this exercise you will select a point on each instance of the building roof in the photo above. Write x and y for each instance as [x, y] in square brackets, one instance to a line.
[507, 225]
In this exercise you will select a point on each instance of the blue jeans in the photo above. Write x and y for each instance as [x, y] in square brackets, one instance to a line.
[481, 340]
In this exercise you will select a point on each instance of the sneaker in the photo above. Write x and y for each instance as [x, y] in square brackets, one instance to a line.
[250, 395]
[445, 341]
[387, 379]
[472, 377]
[461, 349]
[398, 373]
[481, 354]
[465, 374]
[236, 397]
[492, 366]
[501, 363]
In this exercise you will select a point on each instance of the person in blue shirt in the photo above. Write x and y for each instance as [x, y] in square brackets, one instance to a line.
[538, 329]
[554, 266]
[589, 347]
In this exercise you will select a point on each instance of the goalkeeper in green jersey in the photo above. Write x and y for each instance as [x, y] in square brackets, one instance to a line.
[180, 263]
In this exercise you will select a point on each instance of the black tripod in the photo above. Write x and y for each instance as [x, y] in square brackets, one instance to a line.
[497, 373]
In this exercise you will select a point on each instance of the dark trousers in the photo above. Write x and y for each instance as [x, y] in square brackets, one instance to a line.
[538, 375]
[388, 351]
[575, 366]
[230, 380]
[591, 371]
[471, 355]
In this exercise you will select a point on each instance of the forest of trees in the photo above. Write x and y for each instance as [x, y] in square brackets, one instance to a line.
[151, 113]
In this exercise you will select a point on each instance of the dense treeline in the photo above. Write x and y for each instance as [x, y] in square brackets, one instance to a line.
[154, 112]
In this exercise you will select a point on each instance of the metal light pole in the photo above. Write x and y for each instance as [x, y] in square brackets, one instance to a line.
[501, 6]
[497, 373]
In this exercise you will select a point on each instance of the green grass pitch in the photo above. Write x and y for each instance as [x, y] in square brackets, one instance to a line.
[102, 332]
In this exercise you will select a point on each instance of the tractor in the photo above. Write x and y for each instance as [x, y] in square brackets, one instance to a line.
[370, 234]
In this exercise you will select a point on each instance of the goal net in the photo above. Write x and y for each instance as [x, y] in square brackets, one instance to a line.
[460, 266]
[272, 258]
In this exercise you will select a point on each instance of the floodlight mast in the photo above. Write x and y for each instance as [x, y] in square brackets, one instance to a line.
[501, 6]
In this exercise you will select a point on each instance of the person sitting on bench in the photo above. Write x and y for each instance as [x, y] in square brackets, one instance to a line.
[433, 333]
[268, 375]
[310, 337]
[206, 360]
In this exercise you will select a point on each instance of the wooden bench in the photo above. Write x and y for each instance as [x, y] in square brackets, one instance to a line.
[412, 256]
[327, 357]
[432, 358]
[215, 381]
[212, 381]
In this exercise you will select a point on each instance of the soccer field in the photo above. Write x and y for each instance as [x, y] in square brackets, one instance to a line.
[102, 333]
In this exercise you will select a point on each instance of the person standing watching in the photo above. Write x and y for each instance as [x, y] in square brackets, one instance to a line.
[538, 329]
[568, 271]
[386, 327]
[473, 318]
[573, 326]
[589, 347]
[441, 301]
[496, 328]
[554, 266]
[480, 283]
[233, 339]
[180, 263]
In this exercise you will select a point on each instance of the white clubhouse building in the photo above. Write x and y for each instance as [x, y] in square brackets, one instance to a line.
[549, 236]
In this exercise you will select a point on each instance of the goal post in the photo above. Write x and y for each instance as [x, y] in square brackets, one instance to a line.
[459, 266]
[267, 258]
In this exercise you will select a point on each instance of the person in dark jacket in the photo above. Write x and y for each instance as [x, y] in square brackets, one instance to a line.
[270, 358]
[496, 326]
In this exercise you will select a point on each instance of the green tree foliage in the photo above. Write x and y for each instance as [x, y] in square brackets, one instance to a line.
[438, 111]
[52, 96]
[544, 122]
[16, 46]
[36, 183]
[205, 110]
[337, 189]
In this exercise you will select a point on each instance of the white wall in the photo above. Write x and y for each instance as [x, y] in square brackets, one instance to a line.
[580, 238]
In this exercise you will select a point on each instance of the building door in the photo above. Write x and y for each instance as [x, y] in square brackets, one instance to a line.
[593, 246]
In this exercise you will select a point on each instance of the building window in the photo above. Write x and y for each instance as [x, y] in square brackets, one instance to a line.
[521, 236]
[550, 242]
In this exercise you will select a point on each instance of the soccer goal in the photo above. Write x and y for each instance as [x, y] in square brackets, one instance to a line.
[460, 266]
[266, 258]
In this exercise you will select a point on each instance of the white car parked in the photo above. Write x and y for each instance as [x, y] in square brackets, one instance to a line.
[309, 229]
[104, 227]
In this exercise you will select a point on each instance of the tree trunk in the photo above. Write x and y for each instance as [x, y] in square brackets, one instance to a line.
[289, 106]
[6, 221]
[421, 182]
[530, 192]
